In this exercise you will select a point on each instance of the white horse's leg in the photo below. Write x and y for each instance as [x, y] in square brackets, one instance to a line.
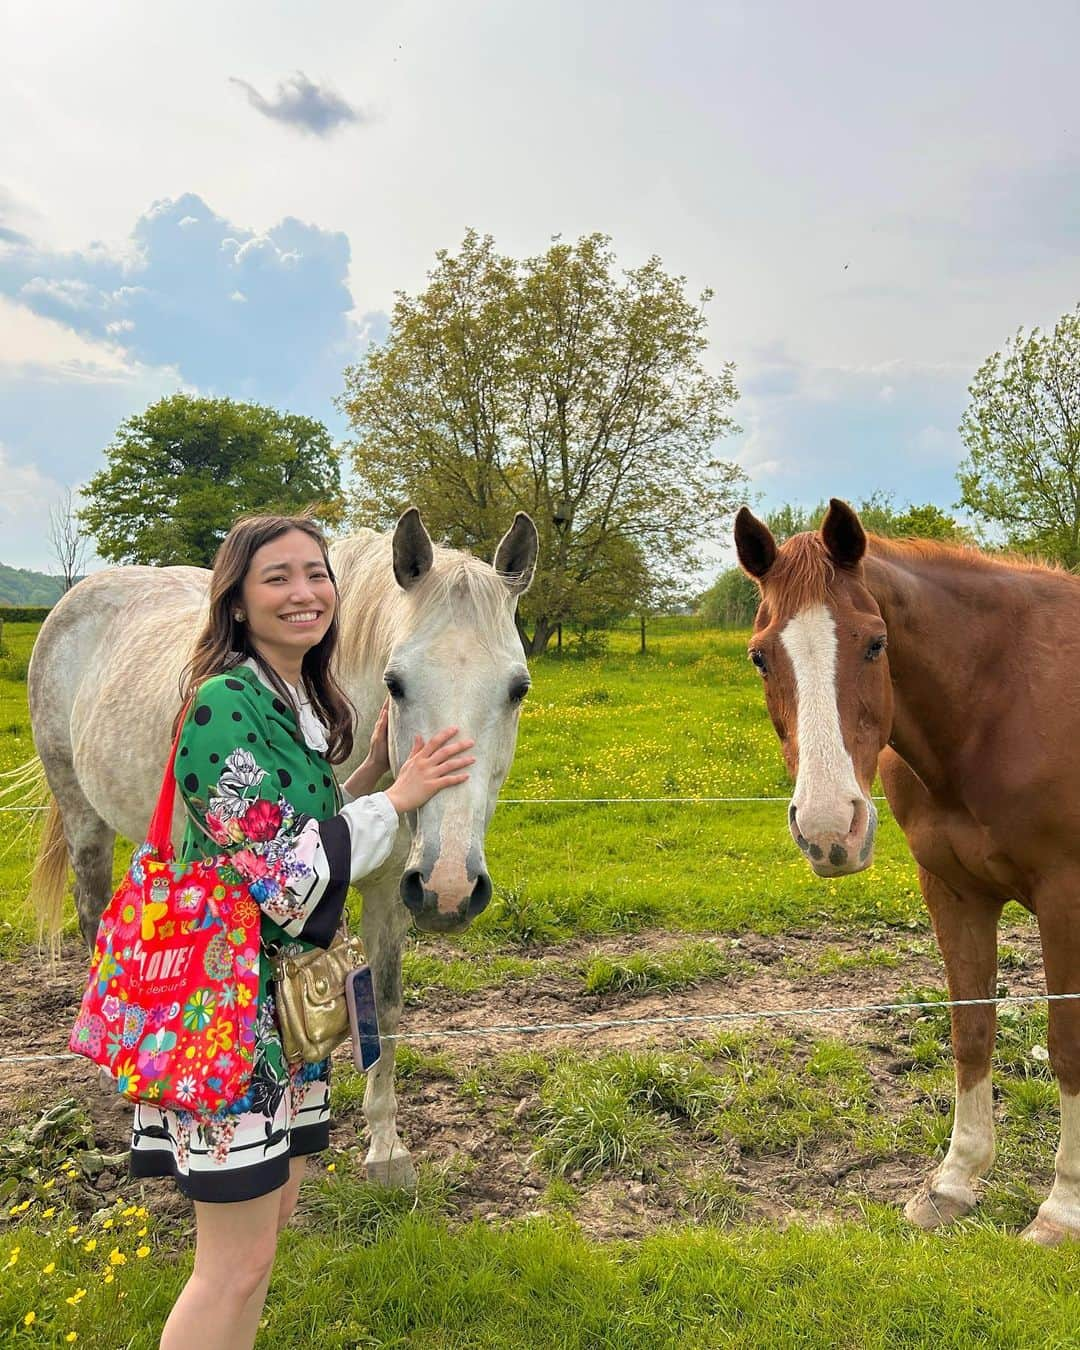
[385, 922]
[89, 843]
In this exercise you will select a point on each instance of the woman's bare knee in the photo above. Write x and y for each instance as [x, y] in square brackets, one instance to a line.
[235, 1244]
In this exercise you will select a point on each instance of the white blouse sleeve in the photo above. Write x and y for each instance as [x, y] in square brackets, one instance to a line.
[324, 857]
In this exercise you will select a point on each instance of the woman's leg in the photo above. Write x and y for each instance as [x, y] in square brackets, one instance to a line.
[287, 1203]
[234, 1254]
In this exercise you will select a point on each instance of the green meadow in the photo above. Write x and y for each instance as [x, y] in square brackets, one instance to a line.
[598, 903]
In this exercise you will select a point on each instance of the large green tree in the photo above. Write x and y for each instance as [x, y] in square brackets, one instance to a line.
[1022, 432]
[559, 386]
[178, 474]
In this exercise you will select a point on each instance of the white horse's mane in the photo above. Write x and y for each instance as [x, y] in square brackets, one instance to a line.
[375, 611]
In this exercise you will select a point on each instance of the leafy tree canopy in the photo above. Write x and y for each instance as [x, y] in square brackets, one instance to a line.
[180, 473]
[560, 387]
[1022, 432]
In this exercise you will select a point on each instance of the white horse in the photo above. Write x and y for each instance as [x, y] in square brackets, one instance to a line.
[432, 625]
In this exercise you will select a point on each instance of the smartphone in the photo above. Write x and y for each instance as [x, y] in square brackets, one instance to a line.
[363, 1018]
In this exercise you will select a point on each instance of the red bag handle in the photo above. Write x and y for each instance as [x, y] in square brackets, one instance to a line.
[159, 831]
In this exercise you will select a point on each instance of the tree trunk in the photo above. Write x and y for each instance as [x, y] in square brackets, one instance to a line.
[643, 634]
[541, 636]
[559, 637]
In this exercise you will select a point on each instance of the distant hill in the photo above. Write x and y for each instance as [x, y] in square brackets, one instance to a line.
[20, 586]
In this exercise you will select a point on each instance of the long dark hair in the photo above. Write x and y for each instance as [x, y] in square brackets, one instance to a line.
[224, 641]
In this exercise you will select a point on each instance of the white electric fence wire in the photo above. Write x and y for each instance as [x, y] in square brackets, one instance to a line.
[570, 801]
[682, 1019]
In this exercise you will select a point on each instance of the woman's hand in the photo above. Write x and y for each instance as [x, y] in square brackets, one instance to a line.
[431, 766]
[378, 755]
[365, 777]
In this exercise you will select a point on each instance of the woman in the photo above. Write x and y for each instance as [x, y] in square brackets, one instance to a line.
[266, 721]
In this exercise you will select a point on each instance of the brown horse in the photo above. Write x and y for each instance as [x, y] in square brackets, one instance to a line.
[955, 676]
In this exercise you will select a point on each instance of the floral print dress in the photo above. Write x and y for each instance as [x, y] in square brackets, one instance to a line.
[261, 792]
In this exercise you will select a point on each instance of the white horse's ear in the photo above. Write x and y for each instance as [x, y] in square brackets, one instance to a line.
[413, 554]
[515, 558]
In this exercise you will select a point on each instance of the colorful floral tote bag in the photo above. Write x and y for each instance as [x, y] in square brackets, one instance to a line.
[172, 997]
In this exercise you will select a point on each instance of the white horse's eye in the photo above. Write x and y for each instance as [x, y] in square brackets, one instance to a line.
[394, 686]
[519, 689]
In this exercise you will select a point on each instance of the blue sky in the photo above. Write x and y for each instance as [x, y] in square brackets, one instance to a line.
[878, 198]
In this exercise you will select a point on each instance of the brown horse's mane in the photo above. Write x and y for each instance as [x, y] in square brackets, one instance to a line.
[964, 555]
[801, 574]
[803, 571]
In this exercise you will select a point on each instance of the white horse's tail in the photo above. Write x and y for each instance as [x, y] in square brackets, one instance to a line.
[26, 790]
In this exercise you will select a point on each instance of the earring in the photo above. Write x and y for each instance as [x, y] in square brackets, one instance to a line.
[238, 615]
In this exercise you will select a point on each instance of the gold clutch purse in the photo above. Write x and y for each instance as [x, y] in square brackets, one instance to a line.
[310, 994]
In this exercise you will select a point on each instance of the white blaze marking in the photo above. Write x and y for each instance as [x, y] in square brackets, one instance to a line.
[971, 1147]
[826, 785]
[1062, 1205]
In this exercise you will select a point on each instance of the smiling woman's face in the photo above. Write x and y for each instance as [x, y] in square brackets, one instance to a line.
[288, 600]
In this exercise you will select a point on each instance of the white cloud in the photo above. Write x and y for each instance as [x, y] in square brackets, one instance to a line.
[73, 294]
[29, 341]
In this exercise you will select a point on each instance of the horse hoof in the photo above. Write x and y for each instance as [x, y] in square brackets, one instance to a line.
[929, 1208]
[396, 1172]
[1046, 1233]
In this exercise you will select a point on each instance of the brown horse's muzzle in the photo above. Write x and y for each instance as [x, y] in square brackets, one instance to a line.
[839, 855]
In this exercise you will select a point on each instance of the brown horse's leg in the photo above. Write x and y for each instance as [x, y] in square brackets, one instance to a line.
[1059, 1214]
[966, 928]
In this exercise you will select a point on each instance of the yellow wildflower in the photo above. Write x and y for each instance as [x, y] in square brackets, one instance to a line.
[140, 1252]
[131, 1209]
[30, 1318]
[48, 1213]
[109, 1277]
[71, 1336]
[76, 1298]
[73, 1230]
[48, 1185]
[141, 1232]
[48, 1270]
[107, 1224]
[117, 1257]
[89, 1244]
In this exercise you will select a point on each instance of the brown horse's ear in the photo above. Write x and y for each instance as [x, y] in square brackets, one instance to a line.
[413, 554]
[754, 544]
[843, 534]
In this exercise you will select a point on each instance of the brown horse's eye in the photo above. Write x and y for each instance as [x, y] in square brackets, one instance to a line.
[876, 647]
[758, 658]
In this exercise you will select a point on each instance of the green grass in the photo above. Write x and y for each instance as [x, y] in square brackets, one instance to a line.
[615, 1112]
[377, 1273]
[683, 967]
[422, 971]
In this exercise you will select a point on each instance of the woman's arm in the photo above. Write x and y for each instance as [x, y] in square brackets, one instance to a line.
[365, 777]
